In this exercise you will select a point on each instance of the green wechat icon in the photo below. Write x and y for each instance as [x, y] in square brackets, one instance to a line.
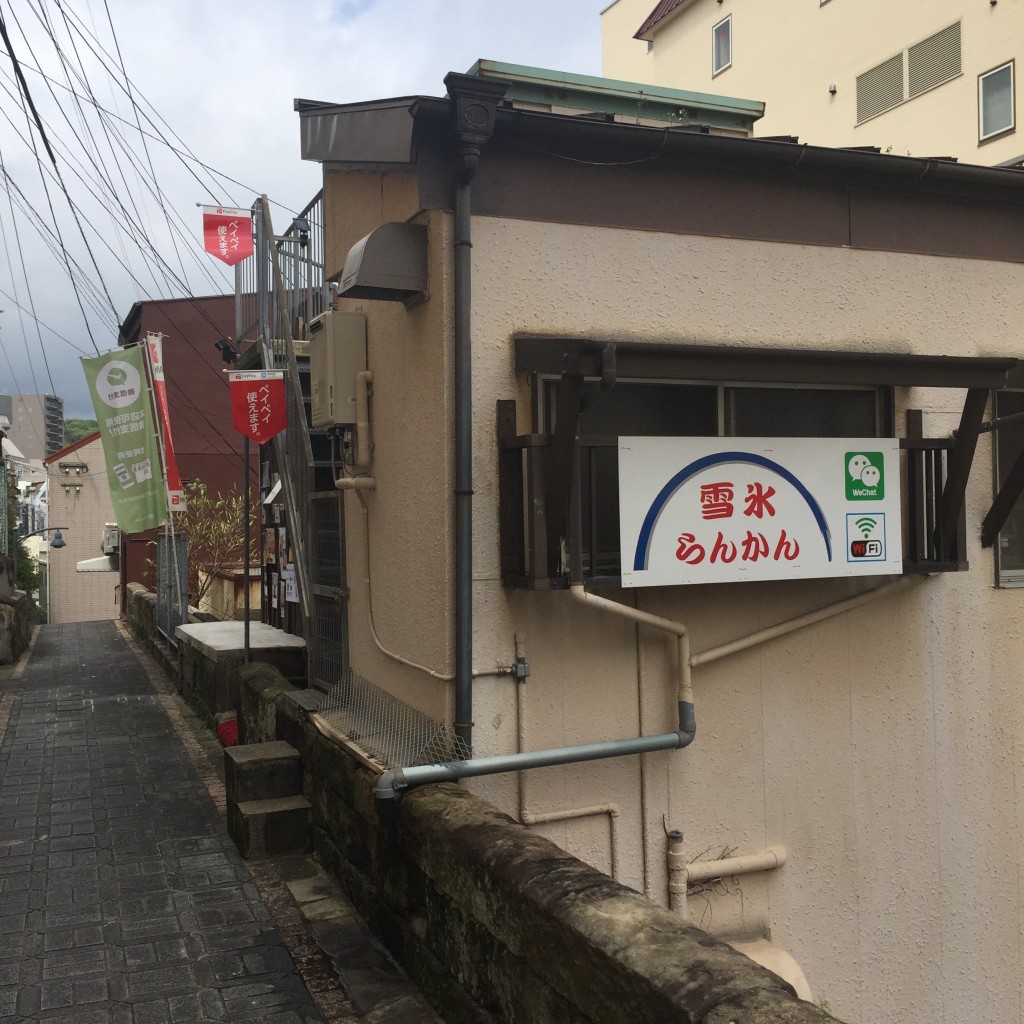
[865, 476]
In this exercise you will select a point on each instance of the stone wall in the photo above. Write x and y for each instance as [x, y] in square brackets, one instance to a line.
[494, 922]
[17, 616]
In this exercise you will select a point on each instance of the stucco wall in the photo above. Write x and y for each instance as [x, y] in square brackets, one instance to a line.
[80, 502]
[788, 53]
[494, 923]
[408, 514]
[879, 747]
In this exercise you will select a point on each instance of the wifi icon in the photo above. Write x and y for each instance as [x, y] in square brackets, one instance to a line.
[866, 524]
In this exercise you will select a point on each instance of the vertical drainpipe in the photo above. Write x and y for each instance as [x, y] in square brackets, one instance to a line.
[475, 106]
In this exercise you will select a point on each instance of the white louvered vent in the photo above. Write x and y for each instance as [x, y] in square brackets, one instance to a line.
[880, 88]
[934, 60]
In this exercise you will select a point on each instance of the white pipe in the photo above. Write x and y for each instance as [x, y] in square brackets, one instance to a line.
[681, 873]
[355, 483]
[363, 381]
[818, 615]
[543, 817]
[677, 629]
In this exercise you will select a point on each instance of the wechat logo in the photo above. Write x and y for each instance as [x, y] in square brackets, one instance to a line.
[118, 384]
[865, 476]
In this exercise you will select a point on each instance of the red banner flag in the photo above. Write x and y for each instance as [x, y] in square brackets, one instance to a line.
[227, 233]
[154, 350]
[259, 406]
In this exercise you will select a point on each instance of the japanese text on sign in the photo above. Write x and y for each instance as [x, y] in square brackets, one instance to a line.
[705, 510]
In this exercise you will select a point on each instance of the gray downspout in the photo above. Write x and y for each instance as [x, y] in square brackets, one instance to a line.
[476, 102]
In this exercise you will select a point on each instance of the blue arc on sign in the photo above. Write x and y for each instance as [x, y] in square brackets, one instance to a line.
[643, 544]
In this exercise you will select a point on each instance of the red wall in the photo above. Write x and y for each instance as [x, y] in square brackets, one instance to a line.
[205, 442]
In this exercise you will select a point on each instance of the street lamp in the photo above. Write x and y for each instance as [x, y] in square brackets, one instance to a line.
[57, 542]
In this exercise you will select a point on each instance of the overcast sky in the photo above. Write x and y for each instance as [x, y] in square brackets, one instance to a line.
[222, 75]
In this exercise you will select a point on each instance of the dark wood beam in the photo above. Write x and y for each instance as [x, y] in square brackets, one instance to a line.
[958, 469]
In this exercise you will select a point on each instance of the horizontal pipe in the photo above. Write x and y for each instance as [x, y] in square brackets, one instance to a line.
[390, 784]
[791, 625]
[544, 817]
[702, 870]
[355, 483]
[572, 813]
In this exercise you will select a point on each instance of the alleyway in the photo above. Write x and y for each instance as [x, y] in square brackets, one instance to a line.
[122, 899]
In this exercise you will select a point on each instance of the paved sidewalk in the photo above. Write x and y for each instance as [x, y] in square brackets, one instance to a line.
[122, 899]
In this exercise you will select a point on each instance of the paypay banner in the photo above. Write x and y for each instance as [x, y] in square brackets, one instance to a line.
[729, 509]
[117, 383]
[227, 233]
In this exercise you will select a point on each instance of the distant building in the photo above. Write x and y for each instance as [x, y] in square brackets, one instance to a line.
[206, 445]
[913, 79]
[36, 423]
[82, 587]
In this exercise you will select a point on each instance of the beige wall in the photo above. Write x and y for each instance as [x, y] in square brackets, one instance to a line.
[81, 596]
[879, 747]
[405, 534]
[787, 53]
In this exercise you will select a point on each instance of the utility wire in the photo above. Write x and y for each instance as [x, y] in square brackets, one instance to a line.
[28, 99]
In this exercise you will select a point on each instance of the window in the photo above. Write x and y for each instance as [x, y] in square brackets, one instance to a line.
[670, 409]
[909, 73]
[1009, 441]
[721, 45]
[558, 484]
[995, 102]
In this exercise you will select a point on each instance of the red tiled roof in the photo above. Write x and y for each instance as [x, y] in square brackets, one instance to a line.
[80, 443]
[663, 10]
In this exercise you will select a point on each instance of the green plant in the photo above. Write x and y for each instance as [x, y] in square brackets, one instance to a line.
[215, 526]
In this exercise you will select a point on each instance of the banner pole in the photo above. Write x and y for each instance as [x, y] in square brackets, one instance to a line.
[169, 527]
[247, 484]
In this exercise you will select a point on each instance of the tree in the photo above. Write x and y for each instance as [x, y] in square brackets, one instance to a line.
[215, 526]
[75, 430]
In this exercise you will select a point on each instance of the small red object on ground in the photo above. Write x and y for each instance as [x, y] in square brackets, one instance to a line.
[227, 732]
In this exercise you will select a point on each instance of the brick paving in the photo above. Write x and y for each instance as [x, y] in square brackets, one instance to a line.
[122, 899]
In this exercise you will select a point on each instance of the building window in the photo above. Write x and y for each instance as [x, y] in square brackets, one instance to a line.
[1009, 441]
[650, 46]
[679, 409]
[995, 102]
[721, 46]
[909, 73]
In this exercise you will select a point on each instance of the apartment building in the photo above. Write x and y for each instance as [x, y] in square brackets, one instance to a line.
[922, 78]
[36, 423]
[650, 287]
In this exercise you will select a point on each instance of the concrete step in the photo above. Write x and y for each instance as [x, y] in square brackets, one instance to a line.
[262, 771]
[266, 828]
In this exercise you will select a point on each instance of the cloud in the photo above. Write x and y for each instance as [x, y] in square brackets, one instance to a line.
[223, 76]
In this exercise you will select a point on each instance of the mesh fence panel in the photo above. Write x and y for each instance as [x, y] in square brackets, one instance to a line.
[392, 733]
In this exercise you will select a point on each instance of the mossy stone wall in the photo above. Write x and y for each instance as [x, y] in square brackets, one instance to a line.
[496, 923]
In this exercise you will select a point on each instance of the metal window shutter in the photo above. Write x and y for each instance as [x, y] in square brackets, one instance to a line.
[934, 60]
[880, 87]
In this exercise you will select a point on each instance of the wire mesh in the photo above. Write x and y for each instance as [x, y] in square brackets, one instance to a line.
[329, 640]
[392, 733]
[170, 610]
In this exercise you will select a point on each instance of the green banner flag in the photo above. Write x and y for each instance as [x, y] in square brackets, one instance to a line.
[117, 383]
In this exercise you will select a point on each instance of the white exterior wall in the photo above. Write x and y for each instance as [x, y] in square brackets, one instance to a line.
[880, 748]
[80, 596]
[788, 52]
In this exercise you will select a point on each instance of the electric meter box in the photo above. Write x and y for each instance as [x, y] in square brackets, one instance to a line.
[337, 353]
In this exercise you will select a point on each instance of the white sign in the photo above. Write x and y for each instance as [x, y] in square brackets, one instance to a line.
[728, 509]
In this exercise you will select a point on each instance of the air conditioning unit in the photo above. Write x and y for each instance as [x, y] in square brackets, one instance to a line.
[110, 542]
[337, 352]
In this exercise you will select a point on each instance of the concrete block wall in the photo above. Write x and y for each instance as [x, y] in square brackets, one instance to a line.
[494, 922]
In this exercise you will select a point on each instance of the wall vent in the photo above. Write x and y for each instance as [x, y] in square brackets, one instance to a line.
[909, 73]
